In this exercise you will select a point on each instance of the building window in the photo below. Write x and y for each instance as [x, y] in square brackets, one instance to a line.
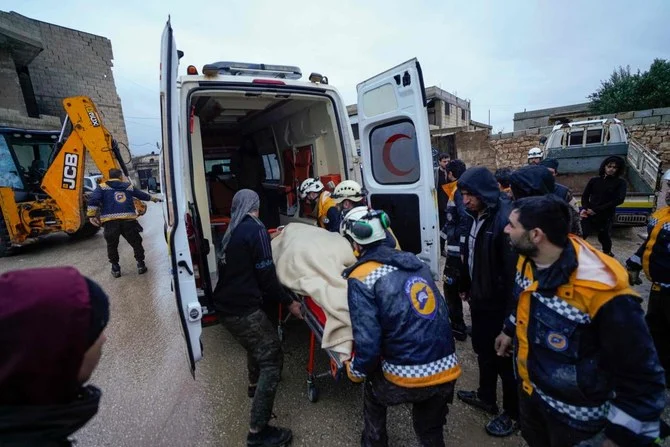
[463, 114]
[447, 108]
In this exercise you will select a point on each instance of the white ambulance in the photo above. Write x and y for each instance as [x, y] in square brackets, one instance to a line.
[298, 129]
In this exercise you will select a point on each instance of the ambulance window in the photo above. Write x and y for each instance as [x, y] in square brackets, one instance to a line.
[380, 100]
[594, 136]
[395, 153]
[271, 165]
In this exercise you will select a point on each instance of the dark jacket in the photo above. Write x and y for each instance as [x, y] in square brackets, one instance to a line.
[537, 180]
[47, 425]
[442, 199]
[603, 193]
[653, 256]
[583, 349]
[113, 200]
[458, 222]
[249, 273]
[400, 320]
[489, 258]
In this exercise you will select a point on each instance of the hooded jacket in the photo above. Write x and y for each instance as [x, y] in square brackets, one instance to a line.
[583, 349]
[604, 193]
[44, 336]
[537, 180]
[400, 320]
[457, 219]
[113, 200]
[489, 258]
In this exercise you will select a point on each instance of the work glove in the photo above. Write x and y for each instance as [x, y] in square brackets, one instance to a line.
[634, 277]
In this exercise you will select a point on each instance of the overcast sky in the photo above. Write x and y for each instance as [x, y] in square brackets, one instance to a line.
[503, 56]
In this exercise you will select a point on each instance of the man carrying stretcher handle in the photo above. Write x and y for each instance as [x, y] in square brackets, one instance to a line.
[394, 303]
[247, 276]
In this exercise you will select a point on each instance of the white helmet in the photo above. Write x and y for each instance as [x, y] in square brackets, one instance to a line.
[348, 190]
[364, 226]
[310, 185]
[535, 152]
[666, 176]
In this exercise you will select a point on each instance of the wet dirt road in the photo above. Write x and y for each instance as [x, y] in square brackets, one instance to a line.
[151, 399]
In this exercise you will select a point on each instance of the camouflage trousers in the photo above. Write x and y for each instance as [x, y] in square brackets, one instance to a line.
[429, 410]
[265, 360]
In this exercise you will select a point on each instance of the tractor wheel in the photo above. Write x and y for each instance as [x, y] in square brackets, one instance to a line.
[5, 244]
[84, 232]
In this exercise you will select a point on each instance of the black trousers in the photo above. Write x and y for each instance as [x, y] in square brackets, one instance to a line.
[429, 410]
[130, 230]
[452, 272]
[602, 226]
[540, 429]
[486, 326]
[658, 321]
[265, 360]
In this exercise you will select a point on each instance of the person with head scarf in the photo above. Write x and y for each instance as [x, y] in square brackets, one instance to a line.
[52, 323]
[247, 275]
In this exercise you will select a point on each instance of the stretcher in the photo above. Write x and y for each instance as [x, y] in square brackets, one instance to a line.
[316, 321]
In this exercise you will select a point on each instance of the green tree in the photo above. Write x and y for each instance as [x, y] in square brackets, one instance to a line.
[626, 91]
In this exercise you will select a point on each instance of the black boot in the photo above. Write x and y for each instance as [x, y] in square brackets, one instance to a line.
[116, 270]
[141, 267]
[270, 437]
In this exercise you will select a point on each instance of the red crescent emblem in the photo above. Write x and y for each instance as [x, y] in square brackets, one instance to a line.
[386, 155]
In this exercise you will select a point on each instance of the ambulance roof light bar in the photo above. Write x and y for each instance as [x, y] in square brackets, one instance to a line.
[244, 69]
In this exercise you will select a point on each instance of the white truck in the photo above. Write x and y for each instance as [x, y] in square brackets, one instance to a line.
[580, 147]
[300, 129]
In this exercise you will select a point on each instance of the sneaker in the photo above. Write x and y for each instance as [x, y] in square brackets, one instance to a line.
[141, 267]
[502, 426]
[609, 253]
[270, 437]
[116, 270]
[472, 398]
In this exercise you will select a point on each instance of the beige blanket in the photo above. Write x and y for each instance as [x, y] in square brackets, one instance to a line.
[310, 261]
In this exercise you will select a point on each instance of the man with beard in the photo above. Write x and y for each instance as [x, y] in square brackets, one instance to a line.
[599, 201]
[586, 364]
[489, 276]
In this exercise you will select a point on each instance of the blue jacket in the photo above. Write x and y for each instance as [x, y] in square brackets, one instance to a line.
[458, 221]
[113, 200]
[399, 320]
[583, 350]
[653, 256]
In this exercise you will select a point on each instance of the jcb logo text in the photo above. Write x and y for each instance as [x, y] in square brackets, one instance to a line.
[70, 171]
[93, 117]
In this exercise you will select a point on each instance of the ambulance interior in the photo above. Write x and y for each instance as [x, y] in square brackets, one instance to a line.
[296, 136]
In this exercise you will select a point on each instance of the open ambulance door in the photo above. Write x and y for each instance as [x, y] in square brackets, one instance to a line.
[397, 158]
[175, 207]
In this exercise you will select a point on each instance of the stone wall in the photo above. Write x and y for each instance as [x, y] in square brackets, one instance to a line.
[73, 63]
[476, 148]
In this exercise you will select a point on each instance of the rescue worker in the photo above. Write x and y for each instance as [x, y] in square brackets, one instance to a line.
[394, 304]
[111, 205]
[564, 193]
[327, 212]
[489, 266]
[454, 230]
[599, 201]
[653, 257]
[534, 180]
[441, 179]
[247, 276]
[535, 155]
[502, 177]
[586, 363]
[347, 195]
[52, 339]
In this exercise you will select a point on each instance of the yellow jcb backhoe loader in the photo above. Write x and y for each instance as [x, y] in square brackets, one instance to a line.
[35, 201]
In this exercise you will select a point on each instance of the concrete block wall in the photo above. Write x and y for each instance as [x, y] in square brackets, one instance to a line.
[75, 63]
[11, 96]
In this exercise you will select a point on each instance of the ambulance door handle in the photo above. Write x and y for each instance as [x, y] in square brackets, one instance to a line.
[183, 264]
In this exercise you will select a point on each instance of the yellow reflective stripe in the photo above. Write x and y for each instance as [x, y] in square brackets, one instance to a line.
[363, 270]
[352, 376]
[445, 376]
[653, 236]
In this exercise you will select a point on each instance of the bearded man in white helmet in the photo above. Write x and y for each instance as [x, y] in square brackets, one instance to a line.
[313, 192]
[535, 156]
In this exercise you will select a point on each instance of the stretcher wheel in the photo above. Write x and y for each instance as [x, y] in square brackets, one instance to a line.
[312, 393]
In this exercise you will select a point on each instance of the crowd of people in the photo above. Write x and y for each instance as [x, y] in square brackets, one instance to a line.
[556, 320]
